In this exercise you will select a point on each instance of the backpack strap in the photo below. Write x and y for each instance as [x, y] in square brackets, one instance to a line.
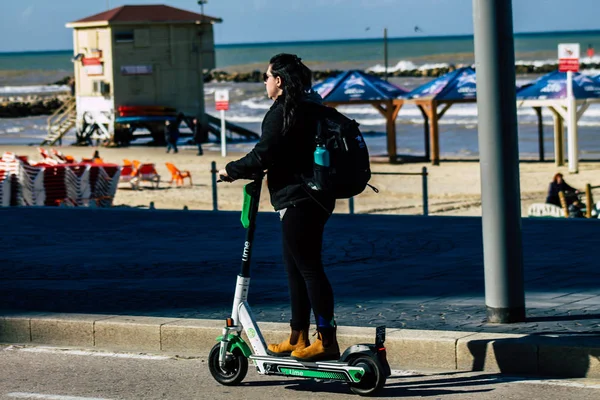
[316, 201]
[373, 187]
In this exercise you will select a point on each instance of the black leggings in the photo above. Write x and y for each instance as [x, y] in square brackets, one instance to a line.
[302, 233]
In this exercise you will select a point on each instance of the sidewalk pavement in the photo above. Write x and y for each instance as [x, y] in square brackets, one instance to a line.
[165, 280]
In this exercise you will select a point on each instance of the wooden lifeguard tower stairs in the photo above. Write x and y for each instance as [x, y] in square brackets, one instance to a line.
[60, 122]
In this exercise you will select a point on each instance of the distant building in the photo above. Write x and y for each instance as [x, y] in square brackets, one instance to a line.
[147, 55]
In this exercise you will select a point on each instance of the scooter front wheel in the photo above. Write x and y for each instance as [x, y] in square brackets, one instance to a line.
[372, 380]
[234, 370]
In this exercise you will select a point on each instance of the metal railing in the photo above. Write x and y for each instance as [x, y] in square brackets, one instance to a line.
[55, 121]
[423, 174]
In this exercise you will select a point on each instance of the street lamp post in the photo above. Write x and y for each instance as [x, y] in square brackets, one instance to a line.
[202, 3]
[385, 53]
[499, 155]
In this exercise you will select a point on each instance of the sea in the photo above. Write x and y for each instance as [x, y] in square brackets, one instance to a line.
[28, 73]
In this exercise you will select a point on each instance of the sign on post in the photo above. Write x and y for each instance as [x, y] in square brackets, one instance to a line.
[222, 104]
[568, 57]
[568, 61]
[222, 99]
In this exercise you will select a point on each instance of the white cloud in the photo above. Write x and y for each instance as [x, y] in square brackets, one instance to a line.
[27, 13]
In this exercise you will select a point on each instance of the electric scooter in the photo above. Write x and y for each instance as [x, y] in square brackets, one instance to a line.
[363, 366]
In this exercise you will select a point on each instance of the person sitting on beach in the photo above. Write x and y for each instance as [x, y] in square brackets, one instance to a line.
[557, 185]
[96, 155]
[285, 150]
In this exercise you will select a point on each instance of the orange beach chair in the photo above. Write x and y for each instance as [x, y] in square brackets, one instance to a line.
[148, 173]
[128, 173]
[177, 175]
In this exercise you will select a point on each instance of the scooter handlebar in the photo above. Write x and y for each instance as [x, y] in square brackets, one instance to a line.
[253, 177]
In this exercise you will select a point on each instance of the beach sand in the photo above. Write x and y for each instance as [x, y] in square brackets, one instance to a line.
[454, 186]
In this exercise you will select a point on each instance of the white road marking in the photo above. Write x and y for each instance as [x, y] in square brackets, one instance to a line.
[21, 395]
[86, 353]
[562, 383]
[401, 372]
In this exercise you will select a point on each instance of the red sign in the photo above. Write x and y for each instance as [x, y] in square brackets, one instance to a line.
[222, 105]
[92, 66]
[568, 57]
[91, 61]
[568, 64]
[222, 99]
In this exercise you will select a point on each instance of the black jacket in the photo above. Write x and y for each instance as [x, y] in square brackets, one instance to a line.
[553, 190]
[286, 158]
[171, 133]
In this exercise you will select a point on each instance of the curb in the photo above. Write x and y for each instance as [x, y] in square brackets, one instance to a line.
[565, 357]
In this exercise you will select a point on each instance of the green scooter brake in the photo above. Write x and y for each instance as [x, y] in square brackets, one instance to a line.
[248, 189]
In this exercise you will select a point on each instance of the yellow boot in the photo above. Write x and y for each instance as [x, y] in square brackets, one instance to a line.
[318, 351]
[298, 340]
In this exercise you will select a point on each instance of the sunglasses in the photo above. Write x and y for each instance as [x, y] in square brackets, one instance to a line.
[266, 76]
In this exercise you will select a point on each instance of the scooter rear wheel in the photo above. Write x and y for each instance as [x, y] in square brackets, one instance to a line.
[373, 379]
[234, 370]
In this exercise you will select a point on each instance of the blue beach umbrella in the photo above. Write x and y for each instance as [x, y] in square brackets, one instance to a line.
[357, 87]
[554, 86]
[550, 90]
[456, 85]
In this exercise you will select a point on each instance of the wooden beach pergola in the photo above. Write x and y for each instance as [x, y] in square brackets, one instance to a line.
[358, 88]
[550, 91]
[435, 98]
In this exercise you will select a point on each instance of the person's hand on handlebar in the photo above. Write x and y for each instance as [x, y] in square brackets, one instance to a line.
[223, 176]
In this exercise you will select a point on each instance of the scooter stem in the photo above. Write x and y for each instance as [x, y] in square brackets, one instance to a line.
[251, 195]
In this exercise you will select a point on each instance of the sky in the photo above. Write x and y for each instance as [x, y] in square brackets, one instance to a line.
[29, 25]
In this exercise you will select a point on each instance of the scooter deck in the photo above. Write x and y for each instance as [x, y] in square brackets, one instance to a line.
[330, 370]
[289, 359]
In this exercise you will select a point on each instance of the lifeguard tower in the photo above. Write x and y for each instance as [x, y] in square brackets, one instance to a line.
[136, 67]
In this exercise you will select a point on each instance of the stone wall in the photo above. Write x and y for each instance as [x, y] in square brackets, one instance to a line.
[31, 105]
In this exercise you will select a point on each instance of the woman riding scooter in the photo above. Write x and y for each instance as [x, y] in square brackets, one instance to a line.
[285, 151]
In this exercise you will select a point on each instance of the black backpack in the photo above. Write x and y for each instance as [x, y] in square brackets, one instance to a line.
[349, 169]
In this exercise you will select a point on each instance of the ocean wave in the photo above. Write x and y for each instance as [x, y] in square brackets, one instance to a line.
[592, 111]
[4, 90]
[553, 61]
[248, 119]
[256, 103]
[15, 129]
[409, 111]
[371, 122]
[252, 111]
[405, 65]
[590, 72]
[521, 82]
[358, 110]
[588, 123]
[211, 90]
[537, 63]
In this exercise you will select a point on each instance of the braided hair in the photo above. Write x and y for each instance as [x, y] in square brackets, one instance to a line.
[296, 80]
